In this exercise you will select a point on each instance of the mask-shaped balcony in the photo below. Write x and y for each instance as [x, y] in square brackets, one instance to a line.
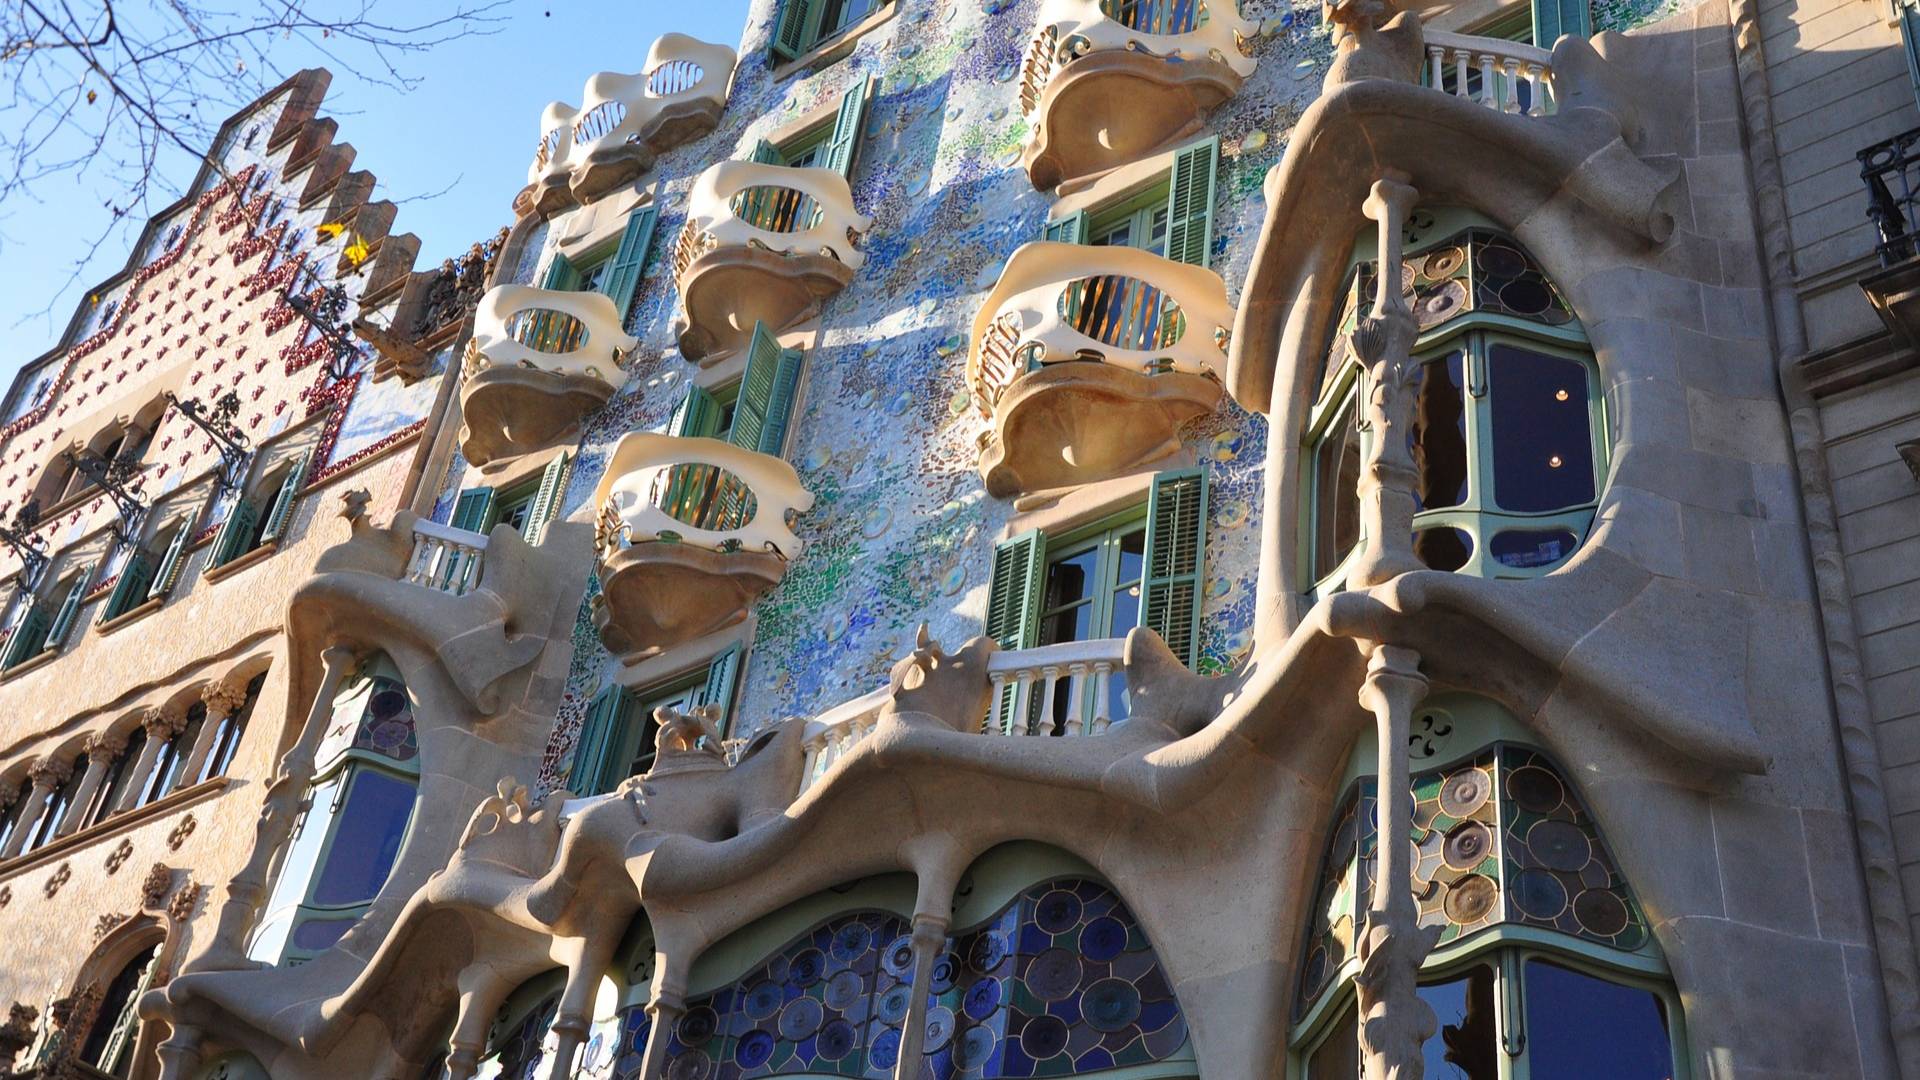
[692, 531]
[1107, 82]
[1089, 359]
[537, 363]
[624, 122]
[1508, 76]
[763, 243]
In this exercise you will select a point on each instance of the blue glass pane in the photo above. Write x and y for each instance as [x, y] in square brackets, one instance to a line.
[1466, 1045]
[1532, 548]
[317, 935]
[1583, 1028]
[1542, 433]
[366, 839]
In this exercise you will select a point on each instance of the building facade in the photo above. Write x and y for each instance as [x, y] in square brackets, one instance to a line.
[934, 546]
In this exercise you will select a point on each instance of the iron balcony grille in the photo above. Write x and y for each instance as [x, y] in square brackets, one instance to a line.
[1889, 169]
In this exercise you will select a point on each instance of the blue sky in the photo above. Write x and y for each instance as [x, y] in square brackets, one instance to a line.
[471, 123]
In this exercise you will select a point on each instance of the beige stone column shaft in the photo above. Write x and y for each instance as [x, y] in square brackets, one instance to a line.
[574, 1017]
[478, 1004]
[222, 699]
[1384, 342]
[664, 1011]
[1394, 1022]
[180, 1053]
[103, 749]
[248, 888]
[162, 722]
[47, 776]
[929, 940]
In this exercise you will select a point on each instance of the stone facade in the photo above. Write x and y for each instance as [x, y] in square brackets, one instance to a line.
[828, 610]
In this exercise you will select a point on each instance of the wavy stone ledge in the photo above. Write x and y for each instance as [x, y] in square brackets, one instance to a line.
[611, 167]
[1082, 421]
[725, 291]
[1106, 109]
[657, 594]
[509, 411]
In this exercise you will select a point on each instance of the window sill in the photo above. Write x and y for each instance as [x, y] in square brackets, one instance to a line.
[836, 48]
[234, 566]
[44, 658]
[114, 824]
[131, 615]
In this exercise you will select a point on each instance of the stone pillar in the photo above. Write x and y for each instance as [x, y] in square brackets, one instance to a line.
[664, 1010]
[574, 1018]
[180, 1053]
[17, 1033]
[929, 940]
[1384, 342]
[223, 699]
[1394, 1022]
[103, 749]
[47, 775]
[162, 722]
[281, 805]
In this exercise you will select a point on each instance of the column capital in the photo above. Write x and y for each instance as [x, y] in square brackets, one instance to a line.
[107, 745]
[223, 697]
[9, 791]
[163, 721]
[51, 772]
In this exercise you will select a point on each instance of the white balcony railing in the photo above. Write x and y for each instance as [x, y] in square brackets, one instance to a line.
[1123, 306]
[1086, 667]
[445, 559]
[562, 333]
[1170, 29]
[1503, 75]
[803, 211]
[704, 492]
[617, 110]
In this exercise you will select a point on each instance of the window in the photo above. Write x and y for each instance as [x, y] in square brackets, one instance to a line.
[613, 269]
[527, 506]
[10, 816]
[1507, 438]
[227, 733]
[521, 1036]
[149, 571]
[260, 517]
[753, 413]
[171, 761]
[114, 784]
[617, 739]
[804, 25]
[1172, 218]
[116, 1024]
[354, 820]
[58, 807]
[47, 622]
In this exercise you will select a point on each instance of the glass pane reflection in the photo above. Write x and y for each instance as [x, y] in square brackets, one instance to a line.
[1542, 434]
[1466, 1046]
[1336, 481]
[1583, 1028]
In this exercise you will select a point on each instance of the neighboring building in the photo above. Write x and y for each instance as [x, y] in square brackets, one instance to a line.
[943, 557]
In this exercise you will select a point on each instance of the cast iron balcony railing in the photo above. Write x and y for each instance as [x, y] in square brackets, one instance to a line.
[1088, 359]
[1891, 170]
[538, 361]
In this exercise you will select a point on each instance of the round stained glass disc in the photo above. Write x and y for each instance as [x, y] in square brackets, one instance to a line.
[1534, 789]
[1437, 305]
[690, 1066]
[1470, 899]
[1600, 912]
[987, 953]
[1559, 845]
[1054, 975]
[1043, 1037]
[800, 1018]
[886, 1049]
[940, 1026]
[1539, 894]
[898, 959]
[1526, 296]
[850, 941]
[1057, 912]
[808, 967]
[945, 967]
[893, 1004]
[1442, 263]
[1110, 1004]
[1499, 260]
[697, 1026]
[754, 1049]
[1103, 939]
[843, 990]
[837, 1040]
[1464, 792]
[974, 1049]
[1466, 846]
[762, 1000]
[981, 999]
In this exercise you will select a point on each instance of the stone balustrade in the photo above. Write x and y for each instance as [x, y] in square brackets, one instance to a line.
[445, 559]
[538, 362]
[625, 121]
[1504, 75]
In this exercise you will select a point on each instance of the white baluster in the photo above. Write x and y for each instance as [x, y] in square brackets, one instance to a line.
[1510, 86]
[1488, 96]
[1460, 73]
[1536, 88]
[999, 701]
[1437, 55]
[1052, 674]
[1076, 697]
[1102, 695]
[1022, 702]
[811, 770]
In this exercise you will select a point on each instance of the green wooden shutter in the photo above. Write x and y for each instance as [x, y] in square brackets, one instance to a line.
[172, 562]
[1176, 559]
[128, 1022]
[283, 502]
[235, 532]
[1910, 40]
[761, 412]
[766, 153]
[131, 587]
[69, 611]
[696, 417]
[623, 274]
[561, 276]
[722, 673]
[847, 126]
[470, 511]
[1190, 202]
[599, 737]
[791, 31]
[1067, 230]
[546, 501]
[27, 637]
[1552, 18]
[1013, 597]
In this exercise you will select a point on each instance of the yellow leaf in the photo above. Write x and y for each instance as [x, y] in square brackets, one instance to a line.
[357, 252]
[331, 229]
[92, 96]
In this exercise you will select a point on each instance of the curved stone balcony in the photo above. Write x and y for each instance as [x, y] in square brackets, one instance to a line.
[692, 531]
[1505, 75]
[1089, 359]
[1107, 82]
[762, 243]
[538, 361]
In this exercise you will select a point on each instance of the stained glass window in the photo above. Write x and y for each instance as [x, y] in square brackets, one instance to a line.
[516, 1054]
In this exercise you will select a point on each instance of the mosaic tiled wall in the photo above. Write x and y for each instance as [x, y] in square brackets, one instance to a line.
[885, 434]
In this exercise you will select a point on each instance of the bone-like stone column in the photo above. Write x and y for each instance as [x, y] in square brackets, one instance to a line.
[478, 1004]
[162, 722]
[248, 888]
[1394, 1022]
[180, 1053]
[1384, 342]
[574, 1017]
[47, 775]
[103, 749]
[222, 699]
[664, 1010]
[929, 940]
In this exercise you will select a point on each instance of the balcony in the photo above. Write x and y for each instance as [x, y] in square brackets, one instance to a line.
[1089, 359]
[692, 531]
[1503, 75]
[624, 122]
[537, 363]
[1107, 82]
[1891, 171]
[763, 243]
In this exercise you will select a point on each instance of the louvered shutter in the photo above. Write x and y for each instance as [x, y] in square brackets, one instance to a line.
[697, 415]
[1014, 592]
[172, 562]
[598, 738]
[1176, 560]
[1067, 230]
[623, 274]
[69, 611]
[722, 673]
[234, 533]
[127, 1024]
[766, 153]
[847, 127]
[27, 637]
[546, 501]
[791, 31]
[471, 509]
[767, 390]
[1553, 18]
[1190, 202]
[283, 502]
[131, 587]
[560, 276]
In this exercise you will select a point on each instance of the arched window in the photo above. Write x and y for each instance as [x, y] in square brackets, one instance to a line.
[116, 1025]
[521, 1036]
[171, 761]
[353, 821]
[262, 512]
[114, 784]
[58, 807]
[1545, 966]
[1508, 439]
[10, 814]
[226, 734]
[48, 620]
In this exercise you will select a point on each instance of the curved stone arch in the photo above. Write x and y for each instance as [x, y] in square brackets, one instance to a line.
[122, 945]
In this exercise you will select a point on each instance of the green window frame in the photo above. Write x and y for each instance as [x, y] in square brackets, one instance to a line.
[1552, 18]
[753, 412]
[804, 25]
[617, 738]
[529, 506]
[1139, 221]
[48, 620]
[1172, 217]
[612, 268]
[260, 516]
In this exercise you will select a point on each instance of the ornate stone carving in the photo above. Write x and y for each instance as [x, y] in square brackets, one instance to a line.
[51, 772]
[17, 1033]
[58, 880]
[180, 832]
[119, 855]
[154, 889]
[104, 925]
[185, 899]
[224, 697]
[108, 744]
[163, 721]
